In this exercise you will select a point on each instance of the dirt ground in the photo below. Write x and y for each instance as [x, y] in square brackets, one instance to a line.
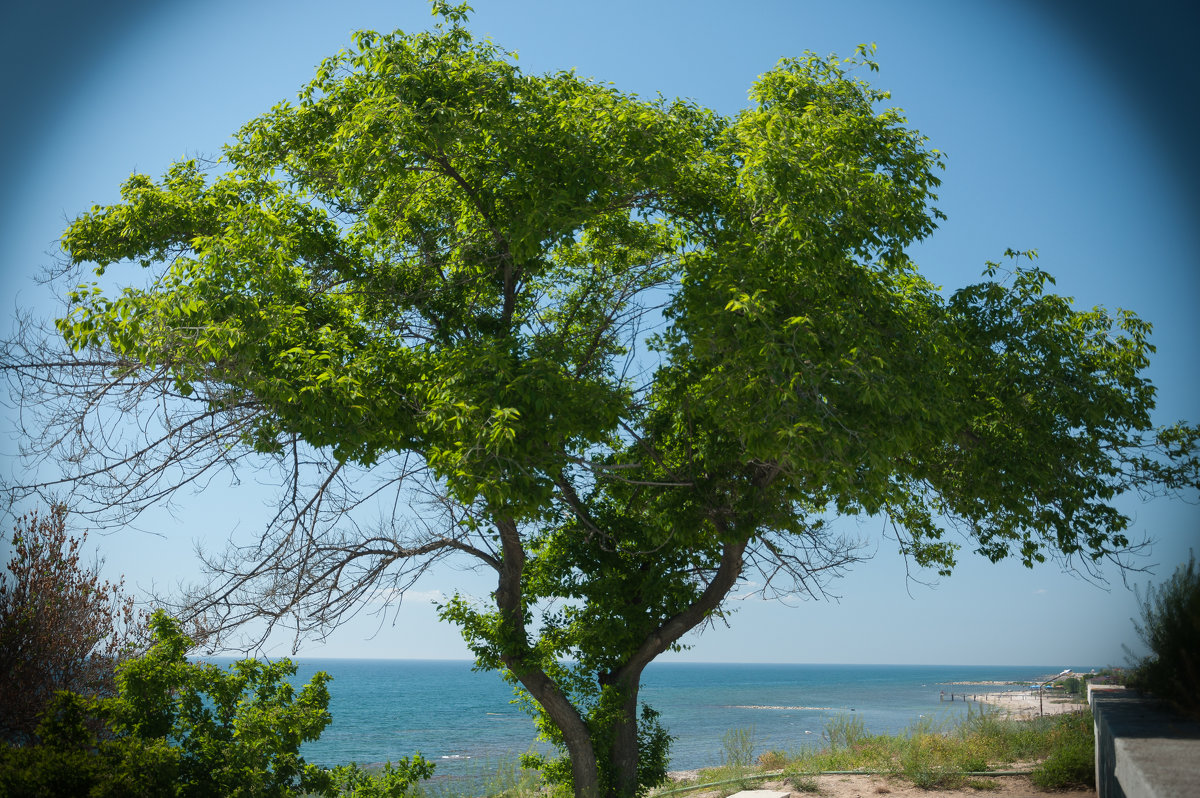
[876, 786]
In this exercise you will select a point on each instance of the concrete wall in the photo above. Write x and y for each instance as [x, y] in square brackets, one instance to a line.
[1143, 750]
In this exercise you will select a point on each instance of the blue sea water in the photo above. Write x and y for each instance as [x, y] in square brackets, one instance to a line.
[464, 720]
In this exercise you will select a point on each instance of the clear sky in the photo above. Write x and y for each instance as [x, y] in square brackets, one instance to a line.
[1066, 132]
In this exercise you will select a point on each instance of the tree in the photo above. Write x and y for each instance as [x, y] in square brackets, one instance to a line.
[618, 351]
[1170, 630]
[61, 627]
[180, 728]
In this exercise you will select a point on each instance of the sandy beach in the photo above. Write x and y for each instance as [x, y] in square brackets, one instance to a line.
[1025, 704]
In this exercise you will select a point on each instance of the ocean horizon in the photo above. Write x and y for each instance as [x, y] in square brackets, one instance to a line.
[466, 722]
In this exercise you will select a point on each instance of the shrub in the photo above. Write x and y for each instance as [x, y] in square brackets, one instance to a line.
[176, 728]
[737, 748]
[927, 761]
[981, 784]
[805, 783]
[393, 781]
[1071, 760]
[844, 731]
[1170, 628]
[737, 760]
[772, 760]
[61, 627]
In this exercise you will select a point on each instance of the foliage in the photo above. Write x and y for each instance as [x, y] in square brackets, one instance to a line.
[932, 757]
[177, 728]
[619, 350]
[924, 763]
[61, 627]
[1170, 628]
[506, 778]
[653, 750]
[981, 784]
[1071, 760]
[394, 780]
[803, 783]
[1004, 740]
[1111, 675]
[845, 731]
[772, 760]
[737, 748]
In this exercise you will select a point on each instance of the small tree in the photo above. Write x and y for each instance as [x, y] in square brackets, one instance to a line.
[61, 627]
[1170, 628]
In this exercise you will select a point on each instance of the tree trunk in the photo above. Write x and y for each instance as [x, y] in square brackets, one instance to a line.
[584, 773]
[625, 753]
[544, 690]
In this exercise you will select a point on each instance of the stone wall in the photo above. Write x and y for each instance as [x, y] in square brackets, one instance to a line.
[1143, 749]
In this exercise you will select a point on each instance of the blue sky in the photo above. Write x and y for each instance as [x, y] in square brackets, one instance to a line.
[1065, 132]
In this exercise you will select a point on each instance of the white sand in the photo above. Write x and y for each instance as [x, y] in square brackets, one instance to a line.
[1025, 704]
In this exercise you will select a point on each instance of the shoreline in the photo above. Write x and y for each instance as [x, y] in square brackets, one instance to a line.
[1026, 705]
[1020, 704]
[1016, 705]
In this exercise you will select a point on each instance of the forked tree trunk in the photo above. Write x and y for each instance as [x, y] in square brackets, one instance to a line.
[628, 677]
[562, 712]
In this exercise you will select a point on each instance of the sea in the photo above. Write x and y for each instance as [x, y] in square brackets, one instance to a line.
[466, 721]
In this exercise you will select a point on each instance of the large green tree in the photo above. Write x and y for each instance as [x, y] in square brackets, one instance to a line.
[618, 350]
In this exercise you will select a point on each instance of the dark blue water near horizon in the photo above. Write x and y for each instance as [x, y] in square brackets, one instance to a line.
[465, 721]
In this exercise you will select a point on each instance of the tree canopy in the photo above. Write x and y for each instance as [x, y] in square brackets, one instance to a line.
[617, 349]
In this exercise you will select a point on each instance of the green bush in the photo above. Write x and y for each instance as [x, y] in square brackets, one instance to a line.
[738, 765]
[1071, 758]
[928, 761]
[393, 781]
[1170, 628]
[772, 760]
[176, 728]
[737, 748]
[844, 731]
[804, 783]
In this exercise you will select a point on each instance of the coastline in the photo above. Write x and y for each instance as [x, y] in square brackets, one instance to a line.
[1025, 704]
[381, 708]
[1029, 704]
[1020, 705]
[1017, 705]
